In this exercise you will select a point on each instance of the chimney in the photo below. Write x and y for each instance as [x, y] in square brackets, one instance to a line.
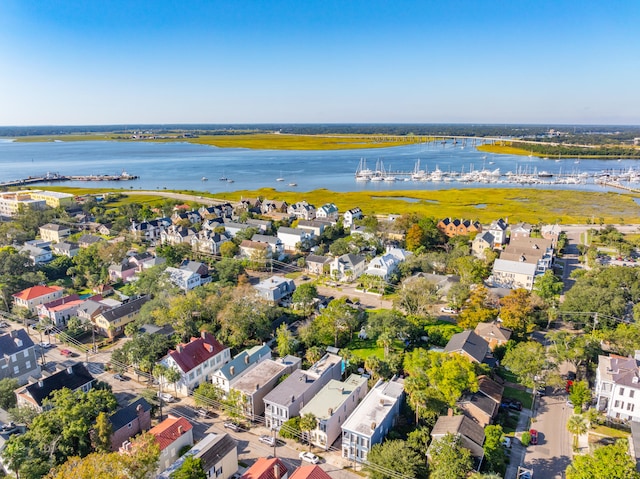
[293, 399]
[232, 370]
[179, 348]
[373, 426]
[40, 384]
[276, 470]
[257, 386]
[449, 412]
[180, 430]
[69, 370]
[203, 334]
[246, 359]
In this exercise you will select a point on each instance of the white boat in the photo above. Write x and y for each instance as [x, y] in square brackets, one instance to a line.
[204, 178]
[293, 184]
[229, 180]
[362, 172]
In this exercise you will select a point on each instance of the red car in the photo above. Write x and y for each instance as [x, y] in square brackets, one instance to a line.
[66, 352]
[568, 386]
[534, 437]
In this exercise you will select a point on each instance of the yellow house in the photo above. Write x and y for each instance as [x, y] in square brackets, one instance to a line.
[111, 323]
[54, 233]
[54, 199]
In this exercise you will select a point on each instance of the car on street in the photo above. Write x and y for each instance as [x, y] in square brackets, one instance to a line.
[233, 426]
[506, 442]
[166, 397]
[3, 324]
[66, 352]
[118, 377]
[45, 344]
[309, 457]
[268, 440]
[541, 391]
[203, 413]
[534, 437]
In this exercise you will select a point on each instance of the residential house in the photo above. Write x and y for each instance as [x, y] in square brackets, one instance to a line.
[551, 232]
[458, 227]
[230, 372]
[372, 420]
[172, 435]
[471, 434]
[328, 211]
[60, 310]
[498, 230]
[218, 454]
[482, 242]
[111, 323]
[254, 384]
[54, 233]
[269, 207]
[617, 387]
[30, 298]
[106, 229]
[149, 230]
[387, 264]
[316, 264]
[88, 311]
[521, 261]
[332, 406]
[129, 421]
[75, 378]
[275, 288]
[145, 260]
[442, 282]
[493, 333]
[311, 471]
[264, 468]
[182, 278]
[347, 267]
[254, 250]
[196, 361]
[286, 400]
[292, 237]
[87, 240]
[263, 226]
[513, 274]
[276, 246]
[209, 242]
[302, 210]
[65, 249]
[350, 216]
[520, 230]
[223, 210]
[192, 217]
[316, 227]
[232, 228]
[37, 254]
[251, 205]
[468, 344]
[125, 271]
[18, 357]
[483, 405]
[175, 235]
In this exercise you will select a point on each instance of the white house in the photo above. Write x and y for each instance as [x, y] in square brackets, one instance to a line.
[275, 288]
[291, 237]
[332, 406]
[498, 230]
[172, 434]
[387, 264]
[36, 254]
[184, 279]
[350, 216]
[617, 387]
[276, 246]
[196, 361]
[328, 211]
[347, 267]
[302, 210]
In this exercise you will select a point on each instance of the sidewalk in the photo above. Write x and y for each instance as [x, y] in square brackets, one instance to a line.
[517, 449]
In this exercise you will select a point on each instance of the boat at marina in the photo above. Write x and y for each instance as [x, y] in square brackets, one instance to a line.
[204, 178]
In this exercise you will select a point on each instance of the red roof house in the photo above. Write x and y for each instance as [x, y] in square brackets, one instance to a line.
[265, 468]
[172, 435]
[309, 472]
[31, 298]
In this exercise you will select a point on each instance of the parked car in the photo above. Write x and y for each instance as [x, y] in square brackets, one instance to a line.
[309, 457]
[166, 397]
[567, 388]
[534, 437]
[571, 376]
[515, 405]
[45, 344]
[446, 309]
[541, 391]
[506, 442]
[118, 377]
[269, 440]
[66, 352]
[233, 426]
[202, 413]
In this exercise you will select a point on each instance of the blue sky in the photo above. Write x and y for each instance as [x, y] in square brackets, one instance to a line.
[466, 61]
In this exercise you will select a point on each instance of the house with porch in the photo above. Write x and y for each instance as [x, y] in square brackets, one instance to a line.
[275, 289]
[54, 233]
[229, 373]
[350, 216]
[111, 322]
[292, 237]
[31, 298]
[347, 267]
[328, 211]
[172, 434]
[218, 454]
[617, 388]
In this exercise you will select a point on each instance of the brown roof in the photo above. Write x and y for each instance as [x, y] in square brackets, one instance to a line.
[492, 330]
[490, 388]
[264, 468]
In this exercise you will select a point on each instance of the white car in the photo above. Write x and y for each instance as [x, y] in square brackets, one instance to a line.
[269, 440]
[309, 457]
[446, 309]
[506, 442]
[166, 397]
[45, 345]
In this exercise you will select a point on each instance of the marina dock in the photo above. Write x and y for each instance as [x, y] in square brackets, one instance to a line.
[55, 177]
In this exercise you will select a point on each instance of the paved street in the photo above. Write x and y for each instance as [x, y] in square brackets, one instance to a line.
[552, 455]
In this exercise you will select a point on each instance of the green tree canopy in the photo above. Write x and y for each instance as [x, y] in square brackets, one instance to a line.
[448, 459]
[394, 457]
[606, 462]
[528, 361]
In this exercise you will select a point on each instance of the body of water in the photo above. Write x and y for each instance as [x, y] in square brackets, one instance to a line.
[183, 166]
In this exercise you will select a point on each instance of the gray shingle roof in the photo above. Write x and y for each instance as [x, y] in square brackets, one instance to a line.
[9, 345]
[128, 413]
[469, 342]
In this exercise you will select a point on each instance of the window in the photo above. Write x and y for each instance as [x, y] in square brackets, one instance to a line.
[621, 391]
[129, 425]
[26, 353]
[28, 364]
[631, 393]
[16, 370]
[219, 471]
[13, 358]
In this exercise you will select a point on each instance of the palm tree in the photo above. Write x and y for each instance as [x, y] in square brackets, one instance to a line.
[308, 423]
[576, 426]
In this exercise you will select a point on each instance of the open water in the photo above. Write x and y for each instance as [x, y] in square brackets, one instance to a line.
[182, 166]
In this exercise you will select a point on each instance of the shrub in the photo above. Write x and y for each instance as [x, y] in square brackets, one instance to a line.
[525, 439]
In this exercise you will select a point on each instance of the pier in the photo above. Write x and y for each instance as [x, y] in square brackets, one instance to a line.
[55, 177]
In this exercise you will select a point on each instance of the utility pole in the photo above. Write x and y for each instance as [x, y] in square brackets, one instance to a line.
[275, 441]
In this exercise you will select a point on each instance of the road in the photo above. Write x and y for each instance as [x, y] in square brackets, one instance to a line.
[179, 196]
[552, 455]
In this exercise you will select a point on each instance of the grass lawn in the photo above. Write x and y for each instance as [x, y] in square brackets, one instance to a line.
[363, 348]
[610, 432]
[507, 375]
[524, 397]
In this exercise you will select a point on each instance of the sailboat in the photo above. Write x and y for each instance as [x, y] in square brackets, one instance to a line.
[280, 178]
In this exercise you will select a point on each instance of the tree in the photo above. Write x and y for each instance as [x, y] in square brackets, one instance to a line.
[285, 341]
[7, 394]
[449, 460]
[397, 457]
[304, 297]
[191, 468]
[470, 269]
[206, 394]
[527, 361]
[607, 462]
[547, 286]
[515, 311]
[577, 349]
[480, 309]
[337, 322]
[414, 238]
[308, 423]
[576, 426]
[579, 394]
[228, 249]
[417, 297]
[101, 434]
[493, 450]
[173, 376]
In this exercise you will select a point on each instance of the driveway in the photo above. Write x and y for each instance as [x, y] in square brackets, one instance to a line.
[552, 455]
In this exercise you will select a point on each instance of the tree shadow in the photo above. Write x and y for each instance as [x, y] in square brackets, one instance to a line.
[549, 468]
